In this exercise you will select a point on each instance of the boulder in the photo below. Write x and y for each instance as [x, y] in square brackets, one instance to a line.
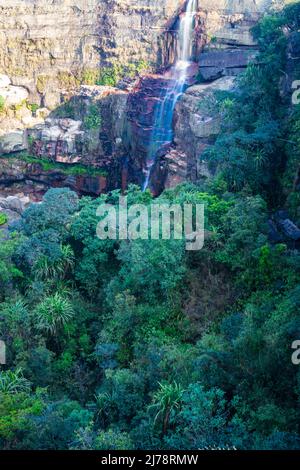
[13, 142]
[13, 95]
[4, 81]
[14, 203]
[58, 138]
[290, 229]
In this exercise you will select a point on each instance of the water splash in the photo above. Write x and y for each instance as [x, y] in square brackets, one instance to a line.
[162, 134]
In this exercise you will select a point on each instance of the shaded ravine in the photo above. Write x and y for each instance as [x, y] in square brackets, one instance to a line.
[162, 133]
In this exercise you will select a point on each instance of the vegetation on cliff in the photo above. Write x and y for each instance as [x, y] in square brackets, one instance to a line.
[143, 345]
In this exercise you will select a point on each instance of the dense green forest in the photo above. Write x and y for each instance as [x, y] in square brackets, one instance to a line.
[142, 344]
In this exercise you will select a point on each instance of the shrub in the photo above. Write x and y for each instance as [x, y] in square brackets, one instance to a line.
[2, 103]
[3, 218]
[93, 119]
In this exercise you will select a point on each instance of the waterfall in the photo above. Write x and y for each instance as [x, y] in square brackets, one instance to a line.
[162, 133]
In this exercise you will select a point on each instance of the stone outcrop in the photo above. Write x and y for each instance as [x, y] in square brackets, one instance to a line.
[217, 63]
[12, 207]
[16, 116]
[11, 95]
[176, 162]
[87, 128]
[50, 46]
[58, 139]
[13, 141]
[34, 177]
[196, 124]
[228, 22]
[16, 203]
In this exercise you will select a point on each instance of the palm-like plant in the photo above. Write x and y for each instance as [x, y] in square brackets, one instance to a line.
[104, 405]
[166, 401]
[53, 313]
[13, 382]
[45, 268]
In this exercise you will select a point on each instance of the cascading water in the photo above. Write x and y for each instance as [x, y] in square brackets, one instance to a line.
[162, 130]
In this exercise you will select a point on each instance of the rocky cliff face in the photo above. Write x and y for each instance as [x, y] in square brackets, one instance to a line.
[196, 124]
[49, 48]
[223, 46]
[130, 30]
[228, 48]
[43, 44]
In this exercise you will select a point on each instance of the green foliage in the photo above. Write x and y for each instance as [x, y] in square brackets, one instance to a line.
[8, 269]
[46, 268]
[53, 313]
[45, 226]
[14, 411]
[3, 218]
[13, 382]
[55, 428]
[33, 107]
[202, 421]
[249, 150]
[93, 118]
[2, 103]
[166, 401]
[113, 440]
[244, 235]
[64, 168]
[89, 76]
[111, 75]
[150, 269]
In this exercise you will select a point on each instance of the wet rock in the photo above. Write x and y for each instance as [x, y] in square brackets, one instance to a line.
[197, 123]
[142, 107]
